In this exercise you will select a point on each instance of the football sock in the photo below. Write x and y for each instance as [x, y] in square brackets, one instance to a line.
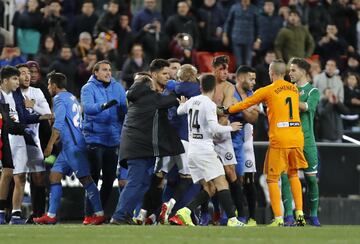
[297, 192]
[275, 198]
[94, 197]
[312, 194]
[55, 198]
[205, 207]
[16, 213]
[226, 203]
[250, 192]
[38, 199]
[181, 188]
[200, 198]
[215, 202]
[286, 195]
[237, 196]
[3, 204]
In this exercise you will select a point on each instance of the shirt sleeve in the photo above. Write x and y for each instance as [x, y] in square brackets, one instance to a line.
[182, 109]
[41, 106]
[259, 96]
[212, 120]
[313, 99]
[60, 113]
[88, 101]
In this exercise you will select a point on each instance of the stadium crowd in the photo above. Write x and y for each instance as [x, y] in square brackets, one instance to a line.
[130, 64]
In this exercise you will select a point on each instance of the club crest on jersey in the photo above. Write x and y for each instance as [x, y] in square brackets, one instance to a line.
[248, 163]
[228, 156]
[302, 92]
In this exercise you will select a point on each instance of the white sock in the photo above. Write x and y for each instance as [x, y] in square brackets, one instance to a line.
[51, 215]
[100, 213]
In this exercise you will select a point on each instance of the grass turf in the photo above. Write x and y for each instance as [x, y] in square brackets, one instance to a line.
[70, 233]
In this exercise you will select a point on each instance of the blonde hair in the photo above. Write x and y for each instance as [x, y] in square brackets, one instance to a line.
[187, 72]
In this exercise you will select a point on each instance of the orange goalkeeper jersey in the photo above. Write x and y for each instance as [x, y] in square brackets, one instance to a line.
[282, 101]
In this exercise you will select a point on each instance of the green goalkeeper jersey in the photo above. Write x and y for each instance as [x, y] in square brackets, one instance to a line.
[311, 96]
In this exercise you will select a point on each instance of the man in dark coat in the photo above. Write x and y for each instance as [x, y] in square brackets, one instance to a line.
[146, 134]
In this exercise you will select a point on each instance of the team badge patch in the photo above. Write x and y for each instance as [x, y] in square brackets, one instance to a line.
[228, 156]
[248, 163]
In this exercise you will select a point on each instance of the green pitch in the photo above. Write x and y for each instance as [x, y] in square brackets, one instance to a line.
[68, 234]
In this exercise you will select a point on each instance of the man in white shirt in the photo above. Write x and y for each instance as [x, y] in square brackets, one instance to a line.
[35, 103]
[204, 163]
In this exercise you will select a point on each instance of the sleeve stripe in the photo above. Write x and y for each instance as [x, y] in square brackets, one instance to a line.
[312, 90]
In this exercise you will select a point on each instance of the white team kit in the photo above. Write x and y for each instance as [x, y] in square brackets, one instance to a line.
[35, 155]
[165, 164]
[248, 147]
[204, 162]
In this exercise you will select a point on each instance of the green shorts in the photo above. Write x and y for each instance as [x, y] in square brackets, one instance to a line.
[311, 156]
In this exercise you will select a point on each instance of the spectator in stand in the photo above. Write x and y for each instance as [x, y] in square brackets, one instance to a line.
[352, 96]
[84, 69]
[331, 46]
[315, 69]
[83, 46]
[11, 56]
[345, 18]
[28, 26]
[225, 6]
[153, 39]
[241, 29]
[107, 21]
[211, 22]
[353, 64]
[168, 8]
[269, 25]
[125, 38]
[54, 23]
[133, 64]
[284, 12]
[262, 70]
[85, 21]
[330, 78]
[294, 40]
[313, 14]
[145, 17]
[47, 54]
[181, 47]
[330, 123]
[181, 22]
[66, 64]
[105, 48]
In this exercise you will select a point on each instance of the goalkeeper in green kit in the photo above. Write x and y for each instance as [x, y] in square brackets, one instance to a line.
[309, 99]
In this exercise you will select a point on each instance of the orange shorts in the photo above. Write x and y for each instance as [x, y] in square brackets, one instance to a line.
[279, 160]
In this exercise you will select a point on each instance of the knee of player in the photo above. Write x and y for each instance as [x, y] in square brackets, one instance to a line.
[55, 177]
[7, 174]
[272, 179]
[230, 173]
[210, 188]
[311, 178]
[20, 179]
[292, 173]
[38, 178]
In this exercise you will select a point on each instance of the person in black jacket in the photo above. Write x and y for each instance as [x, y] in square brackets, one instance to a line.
[9, 126]
[146, 134]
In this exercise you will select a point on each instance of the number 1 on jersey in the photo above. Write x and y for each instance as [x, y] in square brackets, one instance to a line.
[194, 123]
[289, 101]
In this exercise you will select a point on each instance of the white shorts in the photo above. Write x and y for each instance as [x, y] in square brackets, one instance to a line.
[165, 164]
[248, 147]
[20, 159]
[205, 166]
[224, 148]
[35, 159]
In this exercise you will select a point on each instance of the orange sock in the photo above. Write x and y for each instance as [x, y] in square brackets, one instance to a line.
[275, 198]
[297, 192]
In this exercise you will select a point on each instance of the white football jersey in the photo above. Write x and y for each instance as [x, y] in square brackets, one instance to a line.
[202, 122]
[41, 107]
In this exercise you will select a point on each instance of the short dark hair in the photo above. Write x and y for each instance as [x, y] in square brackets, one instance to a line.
[244, 70]
[97, 65]
[23, 65]
[87, 1]
[114, 2]
[158, 64]
[207, 83]
[301, 63]
[59, 79]
[8, 71]
[294, 11]
[142, 73]
[144, 79]
[222, 60]
[173, 60]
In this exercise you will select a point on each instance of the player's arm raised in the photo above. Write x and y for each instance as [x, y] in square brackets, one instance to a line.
[215, 127]
[259, 96]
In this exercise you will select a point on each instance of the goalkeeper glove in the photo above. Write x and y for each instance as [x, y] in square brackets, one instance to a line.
[109, 104]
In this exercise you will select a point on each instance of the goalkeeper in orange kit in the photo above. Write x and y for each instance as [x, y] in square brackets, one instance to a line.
[285, 152]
